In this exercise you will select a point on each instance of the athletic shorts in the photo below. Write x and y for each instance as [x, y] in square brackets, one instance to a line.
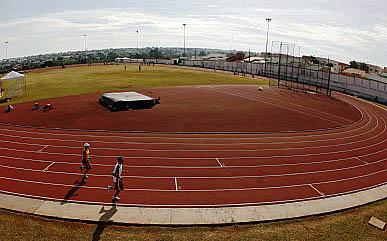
[86, 164]
[118, 185]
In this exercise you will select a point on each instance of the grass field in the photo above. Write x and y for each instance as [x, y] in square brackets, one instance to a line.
[51, 83]
[347, 226]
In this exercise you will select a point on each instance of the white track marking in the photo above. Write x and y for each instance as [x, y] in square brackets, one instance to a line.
[201, 167]
[202, 158]
[179, 138]
[205, 190]
[322, 194]
[40, 150]
[46, 169]
[220, 164]
[269, 135]
[176, 185]
[361, 160]
[206, 177]
[153, 137]
[191, 205]
[200, 150]
[201, 144]
[222, 144]
[238, 150]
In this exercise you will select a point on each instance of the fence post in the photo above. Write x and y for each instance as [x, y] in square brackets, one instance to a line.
[329, 82]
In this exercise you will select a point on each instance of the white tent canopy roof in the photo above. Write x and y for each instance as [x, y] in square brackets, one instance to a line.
[13, 76]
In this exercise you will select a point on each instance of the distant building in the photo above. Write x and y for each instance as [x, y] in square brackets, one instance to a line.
[210, 57]
[254, 59]
[340, 67]
[374, 69]
[355, 72]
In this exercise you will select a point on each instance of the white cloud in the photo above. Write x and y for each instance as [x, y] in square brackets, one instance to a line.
[313, 26]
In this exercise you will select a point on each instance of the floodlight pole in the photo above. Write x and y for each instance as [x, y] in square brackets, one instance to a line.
[85, 45]
[6, 49]
[267, 39]
[184, 36]
[137, 42]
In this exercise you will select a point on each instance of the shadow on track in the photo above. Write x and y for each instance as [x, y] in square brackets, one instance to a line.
[72, 192]
[104, 221]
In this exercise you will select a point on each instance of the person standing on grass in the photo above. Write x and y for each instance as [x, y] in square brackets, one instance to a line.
[86, 166]
[117, 178]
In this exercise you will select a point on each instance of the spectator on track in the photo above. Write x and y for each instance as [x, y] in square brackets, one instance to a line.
[9, 108]
[47, 106]
[36, 106]
[117, 178]
[86, 166]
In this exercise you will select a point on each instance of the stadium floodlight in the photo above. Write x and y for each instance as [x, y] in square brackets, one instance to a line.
[184, 35]
[85, 42]
[267, 39]
[6, 49]
[85, 46]
[137, 41]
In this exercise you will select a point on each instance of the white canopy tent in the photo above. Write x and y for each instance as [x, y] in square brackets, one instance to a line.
[13, 75]
[12, 84]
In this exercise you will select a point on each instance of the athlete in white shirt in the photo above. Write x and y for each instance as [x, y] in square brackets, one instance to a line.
[117, 178]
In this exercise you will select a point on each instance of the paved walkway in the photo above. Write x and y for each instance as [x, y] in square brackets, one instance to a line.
[189, 216]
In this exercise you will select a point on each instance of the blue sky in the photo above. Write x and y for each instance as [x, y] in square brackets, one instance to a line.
[343, 30]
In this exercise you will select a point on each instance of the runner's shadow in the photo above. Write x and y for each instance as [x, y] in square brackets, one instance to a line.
[104, 221]
[72, 192]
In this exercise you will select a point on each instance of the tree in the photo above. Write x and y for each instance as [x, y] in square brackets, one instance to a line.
[155, 53]
[202, 53]
[111, 57]
[354, 65]
[364, 66]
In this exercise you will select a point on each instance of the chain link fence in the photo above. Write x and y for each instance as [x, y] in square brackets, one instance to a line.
[295, 75]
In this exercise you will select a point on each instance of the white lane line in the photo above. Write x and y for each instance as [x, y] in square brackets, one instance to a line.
[176, 185]
[250, 150]
[203, 190]
[200, 167]
[205, 177]
[247, 150]
[155, 137]
[45, 169]
[206, 158]
[42, 149]
[322, 194]
[191, 205]
[220, 164]
[361, 160]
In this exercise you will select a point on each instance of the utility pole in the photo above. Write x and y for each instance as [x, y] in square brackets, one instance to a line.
[267, 39]
[184, 37]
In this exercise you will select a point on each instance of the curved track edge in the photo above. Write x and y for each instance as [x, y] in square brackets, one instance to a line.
[189, 216]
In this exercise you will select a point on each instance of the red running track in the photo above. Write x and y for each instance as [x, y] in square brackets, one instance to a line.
[190, 170]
